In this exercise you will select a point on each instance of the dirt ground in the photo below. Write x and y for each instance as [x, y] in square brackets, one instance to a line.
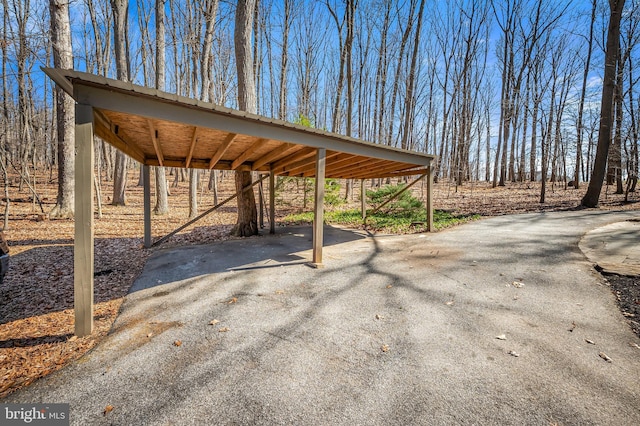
[36, 297]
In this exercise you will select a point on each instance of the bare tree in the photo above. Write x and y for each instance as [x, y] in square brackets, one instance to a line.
[592, 195]
[162, 192]
[65, 114]
[585, 75]
[120, 14]
[247, 223]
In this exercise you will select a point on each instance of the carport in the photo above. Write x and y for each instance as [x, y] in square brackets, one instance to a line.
[157, 128]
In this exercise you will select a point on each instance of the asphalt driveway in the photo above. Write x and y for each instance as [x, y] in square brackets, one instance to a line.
[500, 321]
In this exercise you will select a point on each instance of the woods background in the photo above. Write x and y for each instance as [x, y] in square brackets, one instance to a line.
[499, 90]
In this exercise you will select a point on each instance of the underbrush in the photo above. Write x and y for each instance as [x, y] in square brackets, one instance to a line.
[406, 214]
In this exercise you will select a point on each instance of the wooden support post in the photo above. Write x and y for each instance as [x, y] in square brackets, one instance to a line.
[261, 205]
[83, 254]
[146, 182]
[318, 212]
[272, 202]
[430, 198]
[363, 200]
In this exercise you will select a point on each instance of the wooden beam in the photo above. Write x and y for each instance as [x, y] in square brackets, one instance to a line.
[280, 151]
[376, 171]
[363, 165]
[272, 202]
[296, 167]
[199, 163]
[192, 146]
[353, 163]
[146, 183]
[83, 250]
[223, 148]
[247, 153]
[279, 166]
[396, 174]
[156, 144]
[106, 130]
[318, 211]
[299, 167]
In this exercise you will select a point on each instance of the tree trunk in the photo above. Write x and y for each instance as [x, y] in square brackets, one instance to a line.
[193, 193]
[120, 14]
[592, 196]
[282, 108]
[65, 113]
[162, 199]
[585, 75]
[247, 223]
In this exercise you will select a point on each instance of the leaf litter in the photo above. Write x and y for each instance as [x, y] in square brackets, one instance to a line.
[36, 298]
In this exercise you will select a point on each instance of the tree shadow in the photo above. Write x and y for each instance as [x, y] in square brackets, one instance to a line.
[289, 246]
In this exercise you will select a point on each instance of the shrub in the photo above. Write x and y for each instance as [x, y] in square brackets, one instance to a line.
[405, 204]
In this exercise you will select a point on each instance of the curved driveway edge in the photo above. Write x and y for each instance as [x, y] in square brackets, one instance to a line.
[615, 247]
[501, 321]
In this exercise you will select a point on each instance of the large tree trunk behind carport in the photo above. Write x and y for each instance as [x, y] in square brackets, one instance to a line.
[247, 223]
[65, 113]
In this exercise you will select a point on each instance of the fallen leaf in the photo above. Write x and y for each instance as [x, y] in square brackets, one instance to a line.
[232, 301]
[107, 410]
[517, 284]
[501, 337]
[514, 353]
[177, 343]
[223, 330]
[604, 356]
[213, 322]
[385, 348]
[591, 342]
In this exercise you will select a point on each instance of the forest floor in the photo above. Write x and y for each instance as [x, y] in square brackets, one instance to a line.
[36, 297]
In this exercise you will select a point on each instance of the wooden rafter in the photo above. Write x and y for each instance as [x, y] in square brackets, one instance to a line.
[282, 150]
[247, 153]
[362, 164]
[156, 144]
[223, 148]
[278, 166]
[192, 146]
[411, 172]
[379, 170]
[204, 164]
[336, 157]
[299, 167]
[106, 130]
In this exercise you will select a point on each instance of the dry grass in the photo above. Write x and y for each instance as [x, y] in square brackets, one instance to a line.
[36, 298]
